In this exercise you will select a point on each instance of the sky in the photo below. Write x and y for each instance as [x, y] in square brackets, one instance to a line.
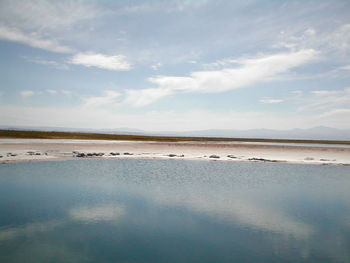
[175, 65]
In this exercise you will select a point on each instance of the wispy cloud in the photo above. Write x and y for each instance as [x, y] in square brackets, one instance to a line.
[32, 39]
[334, 112]
[51, 91]
[29, 93]
[90, 59]
[327, 99]
[346, 67]
[42, 23]
[297, 93]
[335, 41]
[175, 120]
[270, 100]
[156, 66]
[143, 97]
[326, 92]
[107, 98]
[51, 63]
[26, 93]
[45, 14]
[66, 92]
[61, 91]
[249, 71]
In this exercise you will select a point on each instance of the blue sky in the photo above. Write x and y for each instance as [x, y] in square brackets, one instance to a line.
[175, 65]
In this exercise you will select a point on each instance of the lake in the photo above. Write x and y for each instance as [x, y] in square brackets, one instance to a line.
[139, 210]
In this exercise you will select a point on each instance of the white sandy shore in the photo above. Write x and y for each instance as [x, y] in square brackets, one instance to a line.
[26, 150]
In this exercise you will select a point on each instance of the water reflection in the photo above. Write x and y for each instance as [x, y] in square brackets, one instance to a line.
[86, 214]
[96, 214]
[28, 230]
[174, 211]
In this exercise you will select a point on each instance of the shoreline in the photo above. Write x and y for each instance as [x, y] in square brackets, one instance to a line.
[38, 150]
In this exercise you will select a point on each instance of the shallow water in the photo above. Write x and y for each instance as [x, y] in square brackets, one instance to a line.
[320, 145]
[130, 210]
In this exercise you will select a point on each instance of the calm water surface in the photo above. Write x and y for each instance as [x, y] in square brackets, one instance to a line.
[173, 211]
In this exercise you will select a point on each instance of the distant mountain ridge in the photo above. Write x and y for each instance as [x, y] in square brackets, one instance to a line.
[316, 133]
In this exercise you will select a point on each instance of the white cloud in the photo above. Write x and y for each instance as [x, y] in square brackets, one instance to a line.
[90, 59]
[51, 91]
[26, 93]
[108, 97]
[32, 39]
[249, 71]
[270, 101]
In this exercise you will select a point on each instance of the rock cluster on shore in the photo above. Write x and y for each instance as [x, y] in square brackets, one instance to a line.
[78, 154]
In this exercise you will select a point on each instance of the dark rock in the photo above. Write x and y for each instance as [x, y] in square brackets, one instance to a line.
[80, 155]
[258, 159]
[172, 155]
[214, 156]
[114, 153]
[231, 156]
[128, 153]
